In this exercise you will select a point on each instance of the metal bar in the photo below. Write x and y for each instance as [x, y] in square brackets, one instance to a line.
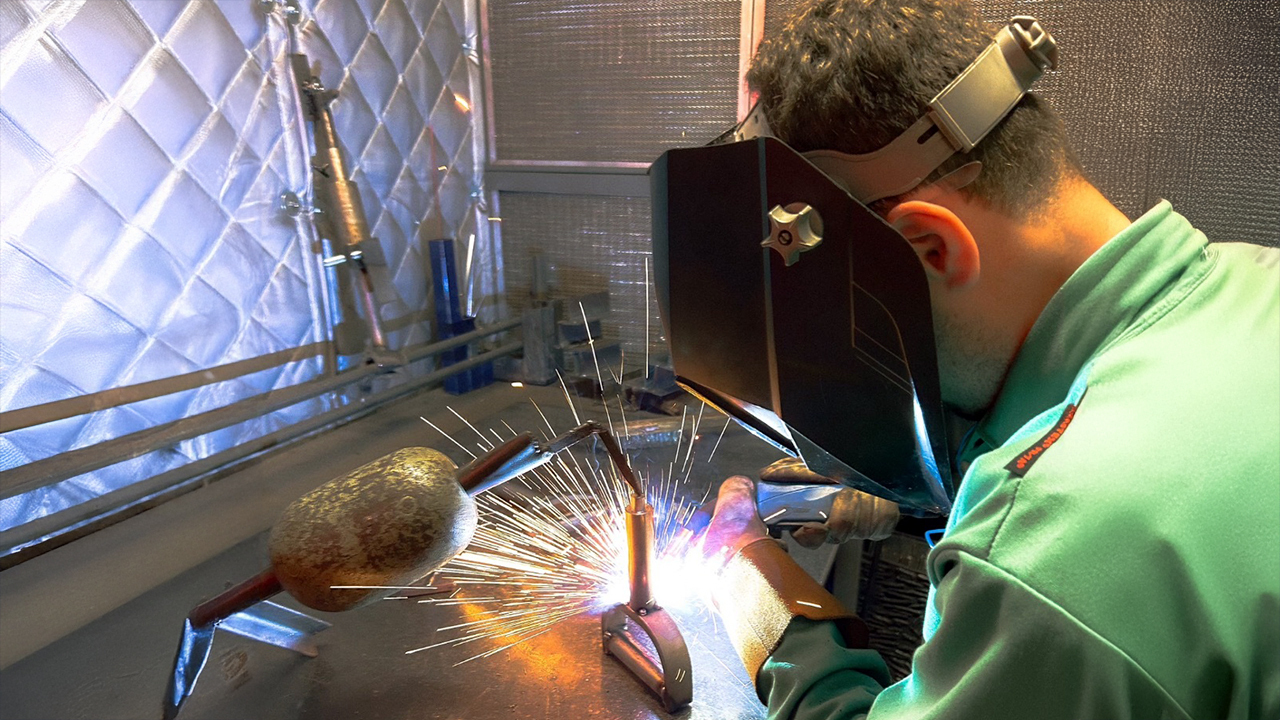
[405, 321]
[146, 494]
[567, 182]
[749, 35]
[486, 66]
[583, 165]
[424, 351]
[636, 661]
[66, 465]
[115, 397]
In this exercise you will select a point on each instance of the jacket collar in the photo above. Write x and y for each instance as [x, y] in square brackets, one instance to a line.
[1100, 300]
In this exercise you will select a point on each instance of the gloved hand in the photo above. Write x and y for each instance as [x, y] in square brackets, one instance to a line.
[855, 515]
[735, 523]
[758, 588]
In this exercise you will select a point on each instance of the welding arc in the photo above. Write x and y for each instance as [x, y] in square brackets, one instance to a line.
[540, 557]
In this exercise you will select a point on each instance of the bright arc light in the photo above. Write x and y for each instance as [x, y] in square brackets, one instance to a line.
[553, 544]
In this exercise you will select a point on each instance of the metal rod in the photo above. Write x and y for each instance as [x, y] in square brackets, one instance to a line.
[424, 351]
[637, 662]
[365, 282]
[121, 504]
[57, 468]
[639, 519]
[242, 596]
[115, 397]
[619, 460]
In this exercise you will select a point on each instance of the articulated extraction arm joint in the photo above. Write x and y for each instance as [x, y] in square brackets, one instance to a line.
[339, 214]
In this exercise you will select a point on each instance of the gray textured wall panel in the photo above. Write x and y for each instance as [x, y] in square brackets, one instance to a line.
[1175, 99]
[145, 144]
[610, 80]
[594, 244]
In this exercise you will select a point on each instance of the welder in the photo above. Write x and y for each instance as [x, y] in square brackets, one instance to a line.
[1113, 549]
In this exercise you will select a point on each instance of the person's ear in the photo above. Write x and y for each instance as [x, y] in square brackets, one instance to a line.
[942, 240]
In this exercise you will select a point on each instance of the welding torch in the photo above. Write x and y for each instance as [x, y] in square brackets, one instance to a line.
[814, 508]
[781, 505]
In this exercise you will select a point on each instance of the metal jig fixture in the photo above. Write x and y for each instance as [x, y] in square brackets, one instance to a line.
[242, 609]
[670, 676]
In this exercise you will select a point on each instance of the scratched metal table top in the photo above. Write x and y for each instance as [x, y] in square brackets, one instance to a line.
[116, 667]
[361, 672]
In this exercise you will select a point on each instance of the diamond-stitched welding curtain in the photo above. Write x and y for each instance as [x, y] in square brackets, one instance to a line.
[144, 147]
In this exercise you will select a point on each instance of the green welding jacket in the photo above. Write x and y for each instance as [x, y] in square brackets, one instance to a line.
[1114, 549]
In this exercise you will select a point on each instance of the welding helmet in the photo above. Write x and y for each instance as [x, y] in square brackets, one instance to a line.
[796, 310]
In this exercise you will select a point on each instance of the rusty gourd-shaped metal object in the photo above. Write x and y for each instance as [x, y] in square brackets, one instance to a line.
[390, 522]
[385, 524]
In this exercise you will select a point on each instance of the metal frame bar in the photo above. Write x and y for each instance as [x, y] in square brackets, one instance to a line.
[573, 165]
[63, 466]
[113, 507]
[568, 183]
[486, 82]
[750, 34]
[115, 397]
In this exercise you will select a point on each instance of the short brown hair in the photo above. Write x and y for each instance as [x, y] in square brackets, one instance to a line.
[851, 75]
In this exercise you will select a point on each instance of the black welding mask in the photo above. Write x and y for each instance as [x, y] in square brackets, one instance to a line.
[794, 309]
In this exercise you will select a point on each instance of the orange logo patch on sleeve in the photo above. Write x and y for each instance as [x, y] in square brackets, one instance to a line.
[1021, 464]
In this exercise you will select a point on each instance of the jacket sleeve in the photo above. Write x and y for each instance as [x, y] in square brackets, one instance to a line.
[996, 649]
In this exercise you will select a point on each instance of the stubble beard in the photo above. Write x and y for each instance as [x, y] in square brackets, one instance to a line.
[972, 364]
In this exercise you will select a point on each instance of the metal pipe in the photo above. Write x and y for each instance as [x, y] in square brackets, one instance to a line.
[231, 601]
[636, 661]
[639, 519]
[57, 468]
[115, 397]
[127, 501]
[43, 413]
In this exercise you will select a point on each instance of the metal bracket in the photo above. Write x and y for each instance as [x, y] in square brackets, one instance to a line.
[290, 204]
[671, 676]
[293, 11]
[277, 625]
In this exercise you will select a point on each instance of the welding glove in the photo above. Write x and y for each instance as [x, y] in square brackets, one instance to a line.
[759, 588]
[855, 515]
